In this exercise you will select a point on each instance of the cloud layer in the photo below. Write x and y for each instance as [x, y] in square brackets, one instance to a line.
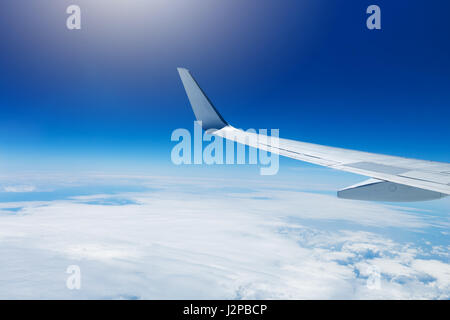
[197, 238]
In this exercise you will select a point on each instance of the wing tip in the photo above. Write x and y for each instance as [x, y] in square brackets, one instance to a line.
[182, 69]
[203, 108]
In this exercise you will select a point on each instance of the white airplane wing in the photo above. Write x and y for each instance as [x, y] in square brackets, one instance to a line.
[391, 178]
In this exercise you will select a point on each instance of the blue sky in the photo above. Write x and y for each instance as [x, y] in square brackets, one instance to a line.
[108, 96]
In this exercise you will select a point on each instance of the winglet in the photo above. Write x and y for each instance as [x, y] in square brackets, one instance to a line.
[203, 108]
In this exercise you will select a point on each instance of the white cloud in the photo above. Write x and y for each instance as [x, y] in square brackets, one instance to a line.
[199, 240]
[439, 270]
[19, 189]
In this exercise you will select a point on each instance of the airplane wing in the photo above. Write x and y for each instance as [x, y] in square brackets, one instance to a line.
[391, 178]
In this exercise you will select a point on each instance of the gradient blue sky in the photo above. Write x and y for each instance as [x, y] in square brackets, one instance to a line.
[108, 96]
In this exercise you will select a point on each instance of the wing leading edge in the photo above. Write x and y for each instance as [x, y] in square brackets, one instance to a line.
[394, 178]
